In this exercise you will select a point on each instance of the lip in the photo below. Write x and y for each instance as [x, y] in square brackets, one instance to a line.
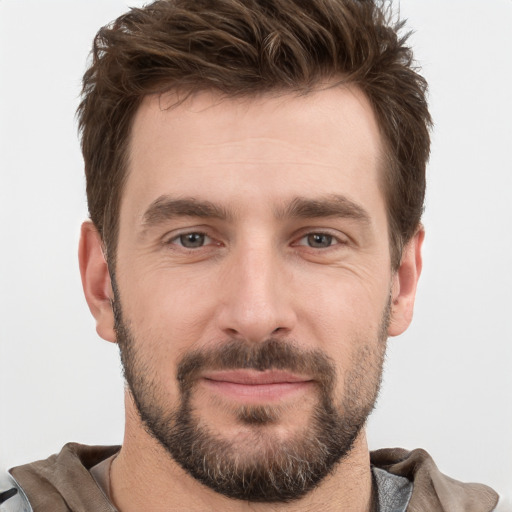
[252, 386]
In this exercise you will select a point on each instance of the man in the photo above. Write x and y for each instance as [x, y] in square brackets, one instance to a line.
[255, 179]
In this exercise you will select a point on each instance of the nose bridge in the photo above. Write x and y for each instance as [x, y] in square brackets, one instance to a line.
[256, 300]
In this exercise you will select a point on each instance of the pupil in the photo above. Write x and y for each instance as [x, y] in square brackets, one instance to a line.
[319, 240]
[192, 240]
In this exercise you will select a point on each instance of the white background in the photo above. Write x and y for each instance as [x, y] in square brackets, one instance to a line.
[448, 382]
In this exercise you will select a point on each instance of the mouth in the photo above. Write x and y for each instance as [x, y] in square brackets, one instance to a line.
[253, 386]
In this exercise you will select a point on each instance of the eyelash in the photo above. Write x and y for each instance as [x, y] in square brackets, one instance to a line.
[333, 240]
[181, 236]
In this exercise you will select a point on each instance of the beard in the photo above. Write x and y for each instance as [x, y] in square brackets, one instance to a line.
[262, 467]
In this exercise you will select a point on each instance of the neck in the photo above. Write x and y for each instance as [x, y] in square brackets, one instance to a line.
[145, 477]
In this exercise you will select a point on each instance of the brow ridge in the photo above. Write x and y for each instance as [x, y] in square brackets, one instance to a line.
[167, 207]
[332, 205]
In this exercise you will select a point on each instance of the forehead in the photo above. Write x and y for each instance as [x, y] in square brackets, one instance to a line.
[267, 146]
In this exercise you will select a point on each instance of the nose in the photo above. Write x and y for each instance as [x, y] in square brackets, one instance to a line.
[256, 296]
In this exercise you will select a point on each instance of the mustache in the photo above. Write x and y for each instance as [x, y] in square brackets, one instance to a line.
[272, 354]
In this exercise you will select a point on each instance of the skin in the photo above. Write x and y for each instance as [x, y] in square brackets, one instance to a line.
[256, 275]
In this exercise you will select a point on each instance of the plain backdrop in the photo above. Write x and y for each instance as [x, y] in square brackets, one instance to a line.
[448, 380]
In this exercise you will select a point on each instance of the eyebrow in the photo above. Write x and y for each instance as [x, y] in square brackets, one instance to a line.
[332, 205]
[166, 208]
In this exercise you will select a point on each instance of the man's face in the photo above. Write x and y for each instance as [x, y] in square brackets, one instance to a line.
[253, 284]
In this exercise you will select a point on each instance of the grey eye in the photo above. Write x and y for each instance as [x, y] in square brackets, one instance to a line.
[192, 240]
[319, 240]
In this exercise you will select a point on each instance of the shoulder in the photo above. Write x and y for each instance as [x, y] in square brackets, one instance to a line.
[432, 490]
[62, 482]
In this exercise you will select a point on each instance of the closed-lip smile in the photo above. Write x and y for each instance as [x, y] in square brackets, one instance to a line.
[247, 385]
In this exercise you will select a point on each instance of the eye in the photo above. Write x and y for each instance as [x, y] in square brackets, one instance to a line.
[191, 240]
[318, 240]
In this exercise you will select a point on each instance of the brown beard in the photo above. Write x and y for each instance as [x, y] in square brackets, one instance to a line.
[275, 470]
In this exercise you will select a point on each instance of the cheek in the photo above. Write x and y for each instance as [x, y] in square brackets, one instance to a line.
[342, 305]
[168, 310]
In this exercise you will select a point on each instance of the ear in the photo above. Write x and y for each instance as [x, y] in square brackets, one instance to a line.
[405, 281]
[96, 280]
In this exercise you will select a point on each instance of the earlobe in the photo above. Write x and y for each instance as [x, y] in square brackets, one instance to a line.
[404, 285]
[96, 280]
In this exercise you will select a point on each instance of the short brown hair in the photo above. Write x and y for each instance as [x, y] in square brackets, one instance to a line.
[244, 47]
